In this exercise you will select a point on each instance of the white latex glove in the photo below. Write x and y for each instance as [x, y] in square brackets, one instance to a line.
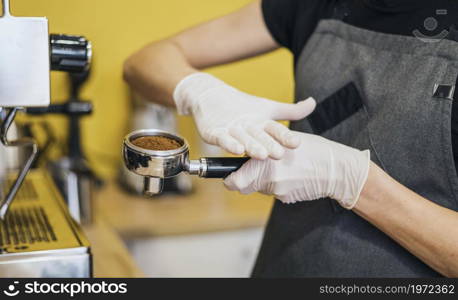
[319, 168]
[238, 122]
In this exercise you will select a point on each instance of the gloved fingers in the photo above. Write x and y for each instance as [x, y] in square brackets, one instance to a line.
[245, 190]
[283, 135]
[210, 136]
[242, 180]
[248, 190]
[220, 137]
[252, 147]
[230, 144]
[294, 112]
[274, 149]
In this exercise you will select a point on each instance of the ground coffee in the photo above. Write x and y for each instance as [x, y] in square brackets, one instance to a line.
[158, 143]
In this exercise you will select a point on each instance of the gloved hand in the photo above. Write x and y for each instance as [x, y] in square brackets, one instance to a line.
[236, 121]
[319, 168]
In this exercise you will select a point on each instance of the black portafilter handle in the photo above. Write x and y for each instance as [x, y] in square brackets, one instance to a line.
[221, 167]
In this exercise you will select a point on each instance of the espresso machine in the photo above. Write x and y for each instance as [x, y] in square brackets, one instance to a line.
[38, 236]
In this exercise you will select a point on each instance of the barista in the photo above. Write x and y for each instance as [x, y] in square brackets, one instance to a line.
[371, 171]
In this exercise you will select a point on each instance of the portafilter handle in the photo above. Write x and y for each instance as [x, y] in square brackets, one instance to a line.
[215, 167]
[205, 167]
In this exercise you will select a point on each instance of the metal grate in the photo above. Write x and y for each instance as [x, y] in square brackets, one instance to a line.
[27, 190]
[26, 226]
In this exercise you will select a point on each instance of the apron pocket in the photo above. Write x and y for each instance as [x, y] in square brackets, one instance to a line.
[343, 118]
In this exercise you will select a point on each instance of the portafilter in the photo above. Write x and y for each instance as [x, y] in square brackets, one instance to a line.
[155, 165]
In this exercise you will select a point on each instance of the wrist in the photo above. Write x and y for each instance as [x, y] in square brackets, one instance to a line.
[355, 174]
[372, 189]
[190, 89]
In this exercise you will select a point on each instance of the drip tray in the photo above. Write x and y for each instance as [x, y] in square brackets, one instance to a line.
[38, 238]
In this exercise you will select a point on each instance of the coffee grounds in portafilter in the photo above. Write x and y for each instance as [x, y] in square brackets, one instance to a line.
[157, 143]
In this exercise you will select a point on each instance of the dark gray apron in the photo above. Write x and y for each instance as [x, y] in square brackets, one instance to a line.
[375, 91]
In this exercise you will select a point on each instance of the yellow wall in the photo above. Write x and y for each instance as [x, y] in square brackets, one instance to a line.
[116, 29]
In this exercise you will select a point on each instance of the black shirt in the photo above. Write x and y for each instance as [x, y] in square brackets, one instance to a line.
[292, 22]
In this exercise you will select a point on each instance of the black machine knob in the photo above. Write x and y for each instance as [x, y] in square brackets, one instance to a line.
[70, 108]
[70, 53]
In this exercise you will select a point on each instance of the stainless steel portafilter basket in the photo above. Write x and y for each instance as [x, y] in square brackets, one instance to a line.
[155, 165]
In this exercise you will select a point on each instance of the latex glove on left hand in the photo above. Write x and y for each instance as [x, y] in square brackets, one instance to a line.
[319, 168]
[236, 121]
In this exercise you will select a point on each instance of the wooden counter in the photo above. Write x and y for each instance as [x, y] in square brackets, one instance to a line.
[210, 208]
[110, 256]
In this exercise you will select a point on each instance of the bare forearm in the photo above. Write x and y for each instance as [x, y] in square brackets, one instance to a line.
[426, 229]
[154, 71]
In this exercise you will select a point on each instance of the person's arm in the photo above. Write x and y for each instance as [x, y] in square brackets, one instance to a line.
[320, 168]
[166, 72]
[427, 230]
[155, 70]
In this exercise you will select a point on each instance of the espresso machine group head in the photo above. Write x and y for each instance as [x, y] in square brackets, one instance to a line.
[156, 165]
